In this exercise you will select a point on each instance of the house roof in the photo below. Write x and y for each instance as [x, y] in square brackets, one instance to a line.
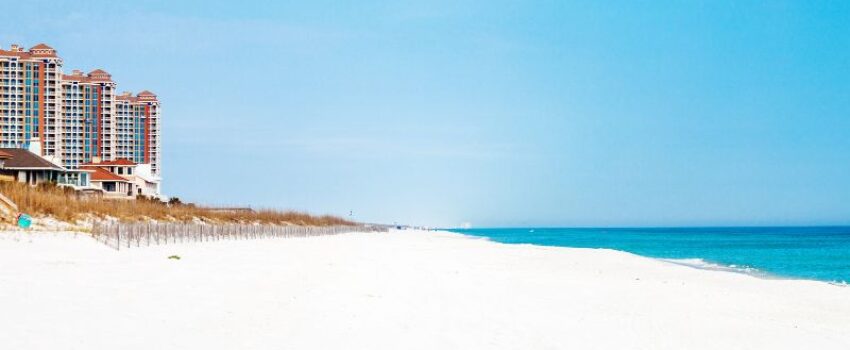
[41, 46]
[147, 93]
[4, 155]
[101, 174]
[120, 161]
[23, 159]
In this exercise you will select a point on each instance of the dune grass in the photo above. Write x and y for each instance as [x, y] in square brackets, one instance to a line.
[64, 204]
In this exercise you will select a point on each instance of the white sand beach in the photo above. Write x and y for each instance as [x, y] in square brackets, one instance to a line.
[397, 290]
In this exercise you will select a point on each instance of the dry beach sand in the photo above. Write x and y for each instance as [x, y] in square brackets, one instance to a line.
[397, 290]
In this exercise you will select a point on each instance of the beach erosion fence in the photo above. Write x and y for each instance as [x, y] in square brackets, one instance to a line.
[122, 235]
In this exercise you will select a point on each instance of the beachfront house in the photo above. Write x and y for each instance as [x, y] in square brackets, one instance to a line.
[122, 178]
[147, 182]
[21, 165]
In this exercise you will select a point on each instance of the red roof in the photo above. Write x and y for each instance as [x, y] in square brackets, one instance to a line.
[144, 96]
[97, 75]
[120, 161]
[101, 174]
[80, 78]
[100, 75]
[41, 46]
[21, 55]
[4, 155]
[42, 51]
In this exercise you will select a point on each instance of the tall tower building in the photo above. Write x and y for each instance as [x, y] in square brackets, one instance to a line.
[137, 129]
[29, 98]
[151, 132]
[87, 117]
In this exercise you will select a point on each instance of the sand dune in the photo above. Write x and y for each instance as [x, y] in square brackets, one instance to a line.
[402, 290]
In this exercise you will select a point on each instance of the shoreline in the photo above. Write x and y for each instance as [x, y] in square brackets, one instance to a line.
[693, 261]
[403, 289]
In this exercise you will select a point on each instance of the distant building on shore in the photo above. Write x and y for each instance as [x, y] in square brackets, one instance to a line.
[77, 118]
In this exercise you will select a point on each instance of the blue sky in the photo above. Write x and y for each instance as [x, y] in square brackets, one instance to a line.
[497, 113]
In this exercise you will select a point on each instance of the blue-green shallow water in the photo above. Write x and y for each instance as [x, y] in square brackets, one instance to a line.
[819, 253]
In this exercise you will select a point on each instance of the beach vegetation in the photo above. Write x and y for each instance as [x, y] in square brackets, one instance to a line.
[65, 204]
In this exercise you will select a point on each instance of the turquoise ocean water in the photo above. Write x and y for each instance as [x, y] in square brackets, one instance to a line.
[819, 253]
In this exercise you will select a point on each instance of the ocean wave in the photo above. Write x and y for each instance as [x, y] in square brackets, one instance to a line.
[701, 264]
[465, 235]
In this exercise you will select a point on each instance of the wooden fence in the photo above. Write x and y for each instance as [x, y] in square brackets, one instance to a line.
[120, 235]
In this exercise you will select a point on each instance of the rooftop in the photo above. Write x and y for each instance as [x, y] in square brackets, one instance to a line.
[101, 174]
[142, 96]
[41, 46]
[97, 75]
[40, 50]
[23, 159]
[146, 96]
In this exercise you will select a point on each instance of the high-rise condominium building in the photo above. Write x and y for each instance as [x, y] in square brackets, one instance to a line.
[74, 118]
[137, 129]
[87, 117]
[30, 86]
